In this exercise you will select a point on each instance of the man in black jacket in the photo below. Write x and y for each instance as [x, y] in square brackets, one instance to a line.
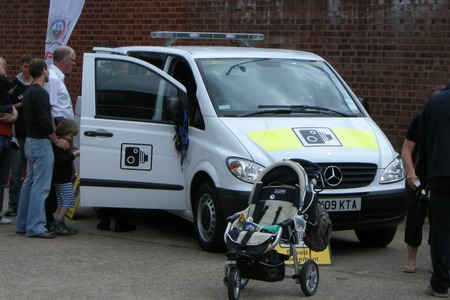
[38, 149]
[433, 169]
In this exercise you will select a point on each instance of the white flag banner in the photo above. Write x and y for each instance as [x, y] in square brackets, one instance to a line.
[62, 17]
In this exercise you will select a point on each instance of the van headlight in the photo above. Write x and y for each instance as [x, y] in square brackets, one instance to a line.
[243, 169]
[394, 172]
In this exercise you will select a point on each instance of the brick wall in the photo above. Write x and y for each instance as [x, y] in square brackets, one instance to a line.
[390, 51]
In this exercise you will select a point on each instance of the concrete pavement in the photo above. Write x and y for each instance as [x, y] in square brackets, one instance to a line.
[161, 260]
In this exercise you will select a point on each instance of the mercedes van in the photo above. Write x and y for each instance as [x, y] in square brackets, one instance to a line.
[187, 129]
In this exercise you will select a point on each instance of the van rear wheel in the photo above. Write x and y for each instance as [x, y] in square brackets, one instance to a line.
[208, 219]
[379, 237]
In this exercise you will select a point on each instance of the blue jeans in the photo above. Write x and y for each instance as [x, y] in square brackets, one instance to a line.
[5, 159]
[17, 166]
[36, 186]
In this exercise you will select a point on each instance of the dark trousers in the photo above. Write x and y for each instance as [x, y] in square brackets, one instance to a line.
[415, 218]
[122, 217]
[440, 233]
[51, 205]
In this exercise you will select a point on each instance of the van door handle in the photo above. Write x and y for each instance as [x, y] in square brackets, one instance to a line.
[98, 133]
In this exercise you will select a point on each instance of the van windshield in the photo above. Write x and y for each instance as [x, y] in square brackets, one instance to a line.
[243, 87]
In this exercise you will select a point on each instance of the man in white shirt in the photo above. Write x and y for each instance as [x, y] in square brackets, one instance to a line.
[64, 60]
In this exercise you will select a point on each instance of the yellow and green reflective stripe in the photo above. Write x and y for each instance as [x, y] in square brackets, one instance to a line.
[285, 138]
[275, 139]
[353, 138]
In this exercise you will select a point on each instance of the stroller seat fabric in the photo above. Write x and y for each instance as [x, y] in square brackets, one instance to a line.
[255, 228]
[275, 206]
[250, 242]
[274, 199]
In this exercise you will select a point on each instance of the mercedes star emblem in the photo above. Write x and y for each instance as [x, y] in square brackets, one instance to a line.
[333, 175]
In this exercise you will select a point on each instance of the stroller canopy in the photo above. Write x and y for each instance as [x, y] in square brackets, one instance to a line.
[283, 173]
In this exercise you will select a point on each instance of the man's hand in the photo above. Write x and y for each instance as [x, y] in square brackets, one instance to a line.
[76, 153]
[412, 180]
[62, 143]
[9, 118]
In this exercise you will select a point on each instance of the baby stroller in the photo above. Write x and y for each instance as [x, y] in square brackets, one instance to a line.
[281, 203]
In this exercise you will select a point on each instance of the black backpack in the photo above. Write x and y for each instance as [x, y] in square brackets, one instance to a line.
[318, 234]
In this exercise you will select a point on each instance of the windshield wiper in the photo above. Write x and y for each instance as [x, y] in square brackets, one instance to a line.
[268, 111]
[240, 65]
[307, 109]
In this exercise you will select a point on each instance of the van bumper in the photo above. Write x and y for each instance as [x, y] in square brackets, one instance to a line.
[378, 209]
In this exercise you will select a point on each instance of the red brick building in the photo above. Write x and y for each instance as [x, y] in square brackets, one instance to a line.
[391, 52]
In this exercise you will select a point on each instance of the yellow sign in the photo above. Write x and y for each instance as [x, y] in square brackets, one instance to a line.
[304, 254]
[76, 190]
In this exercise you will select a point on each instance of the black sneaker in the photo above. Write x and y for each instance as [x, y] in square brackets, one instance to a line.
[14, 143]
[70, 230]
[44, 235]
[60, 229]
[51, 227]
[11, 213]
[430, 292]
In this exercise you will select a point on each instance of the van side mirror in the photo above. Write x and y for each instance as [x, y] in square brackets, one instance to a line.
[174, 110]
[365, 104]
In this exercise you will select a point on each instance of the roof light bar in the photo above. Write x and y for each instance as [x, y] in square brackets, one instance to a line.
[171, 36]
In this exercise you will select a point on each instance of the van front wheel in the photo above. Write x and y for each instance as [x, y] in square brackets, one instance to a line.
[208, 219]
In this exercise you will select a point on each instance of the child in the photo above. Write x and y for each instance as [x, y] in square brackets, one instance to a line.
[6, 106]
[62, 176]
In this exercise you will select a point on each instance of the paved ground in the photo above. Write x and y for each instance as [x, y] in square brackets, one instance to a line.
[161, 260]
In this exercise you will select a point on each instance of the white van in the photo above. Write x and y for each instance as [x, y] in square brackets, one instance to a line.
[187, 129]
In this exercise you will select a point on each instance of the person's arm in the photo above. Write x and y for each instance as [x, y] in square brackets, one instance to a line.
[407, 150]
[61, 143]
[18, 105]
[52, 88]
[421, 164]
[46, 122]
[16, 94]
[10, 118]
[75, 153]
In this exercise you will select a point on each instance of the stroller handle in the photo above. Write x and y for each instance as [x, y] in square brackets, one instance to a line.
[305, 162]
[317, 175]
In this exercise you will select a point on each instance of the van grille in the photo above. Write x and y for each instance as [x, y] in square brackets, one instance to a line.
[353, 174]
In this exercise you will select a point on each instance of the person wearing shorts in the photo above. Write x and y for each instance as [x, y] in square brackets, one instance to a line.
[62, 176]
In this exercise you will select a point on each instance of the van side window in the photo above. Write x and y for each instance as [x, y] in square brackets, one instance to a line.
[129, 91]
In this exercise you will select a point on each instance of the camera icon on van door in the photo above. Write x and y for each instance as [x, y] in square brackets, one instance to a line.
[136, 157]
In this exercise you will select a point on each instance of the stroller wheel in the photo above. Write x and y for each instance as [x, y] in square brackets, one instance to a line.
[234, 283]
[244, 282]
[309, 277]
